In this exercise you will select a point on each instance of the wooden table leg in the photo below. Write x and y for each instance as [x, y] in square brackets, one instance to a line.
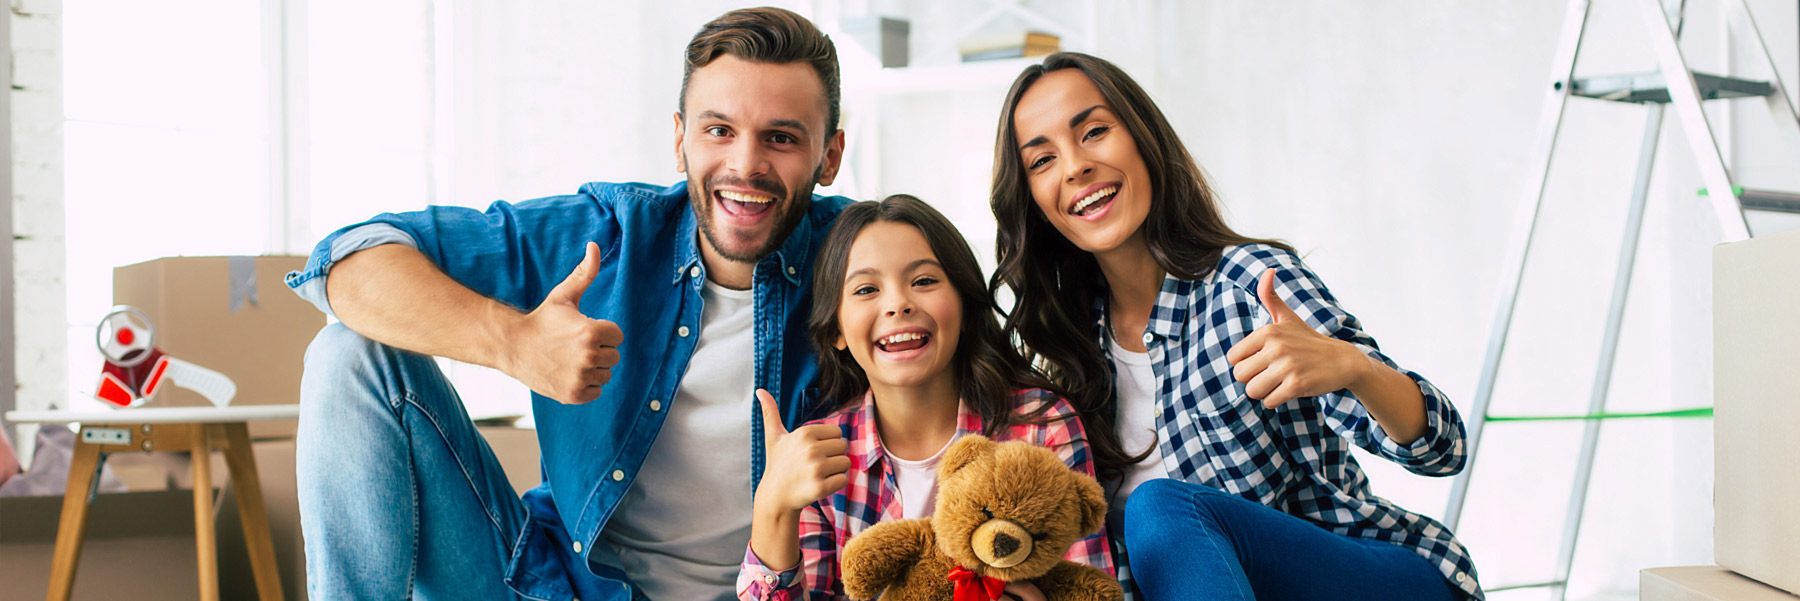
[241, 459]
[205, 542]
[82, 468]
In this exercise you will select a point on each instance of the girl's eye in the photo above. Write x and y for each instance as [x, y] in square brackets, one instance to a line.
[1039, 162]
[863, 289]
[925, 281]
[1095, 132]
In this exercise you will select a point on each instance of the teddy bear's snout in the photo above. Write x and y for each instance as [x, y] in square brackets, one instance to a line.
[1001, 543]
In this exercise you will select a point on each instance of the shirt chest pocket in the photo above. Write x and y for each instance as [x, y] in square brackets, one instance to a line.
[1241, 446]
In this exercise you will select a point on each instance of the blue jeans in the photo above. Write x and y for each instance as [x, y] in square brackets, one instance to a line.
[1187, 541]
[399, 495]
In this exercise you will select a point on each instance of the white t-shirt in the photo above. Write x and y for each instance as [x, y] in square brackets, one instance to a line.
[917, 481]
[681, 528]
[1136, 385]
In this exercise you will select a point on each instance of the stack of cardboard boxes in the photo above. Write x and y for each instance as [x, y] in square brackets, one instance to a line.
[1756, 431]
[234, 315]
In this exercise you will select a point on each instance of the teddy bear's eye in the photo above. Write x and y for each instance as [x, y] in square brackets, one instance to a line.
[1038, 536]
[985, 512]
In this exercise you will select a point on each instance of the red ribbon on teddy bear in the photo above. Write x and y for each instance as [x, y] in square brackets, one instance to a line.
[975, 587]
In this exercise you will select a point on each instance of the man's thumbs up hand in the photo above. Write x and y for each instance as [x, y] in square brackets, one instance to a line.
[560, 353]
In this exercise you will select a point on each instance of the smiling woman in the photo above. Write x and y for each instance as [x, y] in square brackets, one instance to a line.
[1221, 360]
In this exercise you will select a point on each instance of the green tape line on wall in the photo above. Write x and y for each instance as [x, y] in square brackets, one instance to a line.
[1701, 412]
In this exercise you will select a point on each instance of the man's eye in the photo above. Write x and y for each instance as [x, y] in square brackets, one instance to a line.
[782, 139]
[716, 131]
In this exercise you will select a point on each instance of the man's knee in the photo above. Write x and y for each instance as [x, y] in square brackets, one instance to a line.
[344, 366]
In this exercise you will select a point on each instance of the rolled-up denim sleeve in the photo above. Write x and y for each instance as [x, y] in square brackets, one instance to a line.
[336, 248]
[512, 253]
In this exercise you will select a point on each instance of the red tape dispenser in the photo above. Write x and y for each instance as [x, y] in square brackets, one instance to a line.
[136, 370]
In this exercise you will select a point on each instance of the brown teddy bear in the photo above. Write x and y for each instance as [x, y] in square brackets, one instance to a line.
[1005, 512]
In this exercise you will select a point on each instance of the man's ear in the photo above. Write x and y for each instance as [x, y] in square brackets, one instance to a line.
[834, 159]
[680, 132]
[964, 452]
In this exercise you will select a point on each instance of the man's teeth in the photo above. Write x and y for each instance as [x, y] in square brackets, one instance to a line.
[741, 197]
[903, 337]
[1097, 196]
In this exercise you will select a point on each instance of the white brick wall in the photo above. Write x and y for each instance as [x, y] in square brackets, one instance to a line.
[37, 203]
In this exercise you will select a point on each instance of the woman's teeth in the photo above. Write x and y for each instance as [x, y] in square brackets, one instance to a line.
[1094, 198]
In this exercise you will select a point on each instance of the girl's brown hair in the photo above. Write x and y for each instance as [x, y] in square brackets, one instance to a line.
[988, 368]
[1056, 285]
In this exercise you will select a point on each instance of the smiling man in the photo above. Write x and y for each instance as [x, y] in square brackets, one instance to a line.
[642, 318]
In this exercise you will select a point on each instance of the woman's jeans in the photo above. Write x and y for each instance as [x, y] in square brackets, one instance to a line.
[1188, 541]
[399, 494]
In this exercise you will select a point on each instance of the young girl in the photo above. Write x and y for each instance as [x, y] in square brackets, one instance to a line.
[910, 359]
[1222, 360]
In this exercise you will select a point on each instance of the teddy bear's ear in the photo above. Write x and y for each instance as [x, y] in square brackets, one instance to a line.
[1092, 500]
[965, 451]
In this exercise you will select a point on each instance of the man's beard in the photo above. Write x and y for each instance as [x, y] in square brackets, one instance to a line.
[789, 211]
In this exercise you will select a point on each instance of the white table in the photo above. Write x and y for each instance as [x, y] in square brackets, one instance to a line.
[198, 430]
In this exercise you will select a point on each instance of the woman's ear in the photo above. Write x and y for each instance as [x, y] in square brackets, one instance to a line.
[841, 344]
[963, 452]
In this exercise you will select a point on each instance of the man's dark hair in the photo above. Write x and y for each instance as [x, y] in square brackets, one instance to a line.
[767, 35]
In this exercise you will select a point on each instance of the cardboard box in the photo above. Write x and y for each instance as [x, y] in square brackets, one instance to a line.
[139, 546]
[233, 315]
[1756, 399]
[515, 448]
[1704, 583]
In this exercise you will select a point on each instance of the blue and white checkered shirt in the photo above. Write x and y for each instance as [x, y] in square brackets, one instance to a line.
[1296, 457]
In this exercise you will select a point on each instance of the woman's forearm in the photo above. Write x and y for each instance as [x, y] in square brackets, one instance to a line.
[1393, 399]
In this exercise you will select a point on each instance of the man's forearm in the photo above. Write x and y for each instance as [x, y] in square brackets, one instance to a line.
[396, 296]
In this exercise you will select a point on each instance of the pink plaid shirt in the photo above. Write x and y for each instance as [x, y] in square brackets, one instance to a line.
[870, 497]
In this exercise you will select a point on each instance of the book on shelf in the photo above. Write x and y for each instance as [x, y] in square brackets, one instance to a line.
[1010, 44]
[1006, 53]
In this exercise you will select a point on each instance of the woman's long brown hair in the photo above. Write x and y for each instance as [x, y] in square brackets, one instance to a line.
[1056, 285]
[989, 370]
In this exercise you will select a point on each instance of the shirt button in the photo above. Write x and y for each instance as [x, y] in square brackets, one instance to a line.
[769, 579]
[790, 270]
[694, 272]
[1460, 577]
[682, 331]
[655, 405]
[577, 546]
[1148, 337]
[617, 476]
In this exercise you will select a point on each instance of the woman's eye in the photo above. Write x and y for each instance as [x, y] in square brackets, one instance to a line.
[1039, 162]
[1095, 132]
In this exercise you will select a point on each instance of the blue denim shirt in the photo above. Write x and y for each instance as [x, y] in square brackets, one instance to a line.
[649, 284]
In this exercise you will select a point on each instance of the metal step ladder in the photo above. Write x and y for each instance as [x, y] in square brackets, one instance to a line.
[1672, 85]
